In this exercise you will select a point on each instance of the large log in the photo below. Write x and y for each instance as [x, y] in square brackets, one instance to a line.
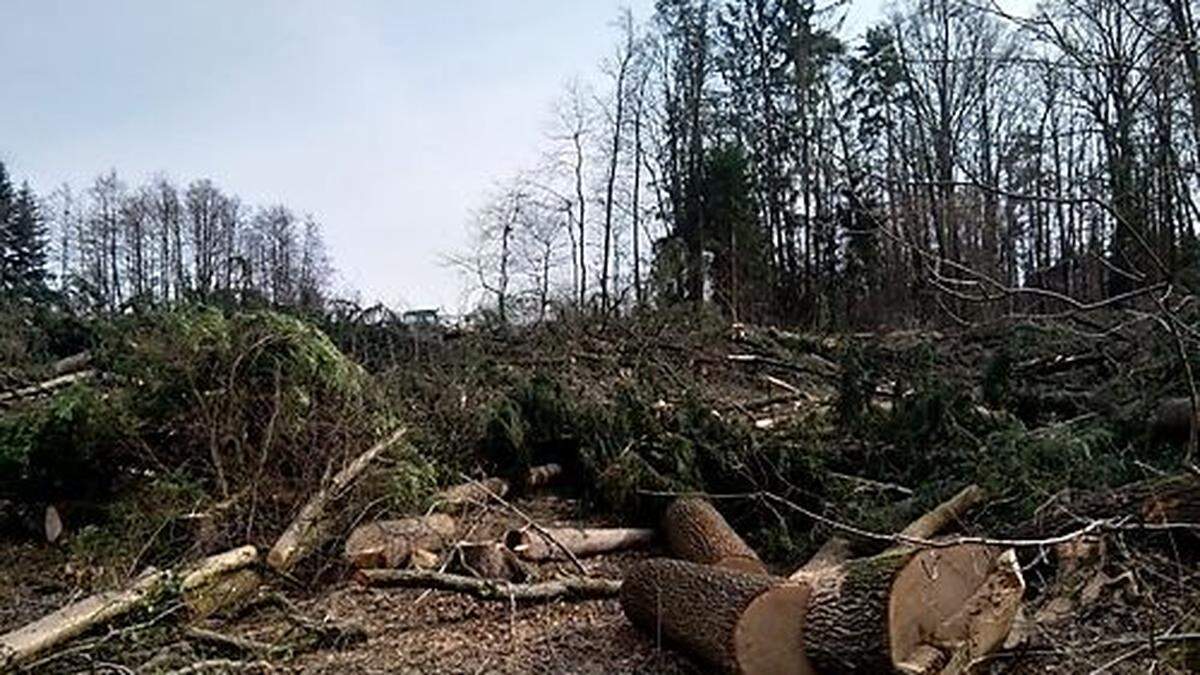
[490, 560]
[388, 543]
[532, 545]
[733, 620]
[310, 527]
[21, 645]
[695, 531]
[886, 613]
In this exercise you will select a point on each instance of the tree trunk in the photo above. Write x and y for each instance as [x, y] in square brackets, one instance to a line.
[697, 532]
[733, 620]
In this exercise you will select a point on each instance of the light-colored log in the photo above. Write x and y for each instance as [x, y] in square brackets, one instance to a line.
[567, 588]
[389, 543]
[532, 545]
[309, 529]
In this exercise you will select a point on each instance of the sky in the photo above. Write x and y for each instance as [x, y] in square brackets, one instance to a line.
[387, 120]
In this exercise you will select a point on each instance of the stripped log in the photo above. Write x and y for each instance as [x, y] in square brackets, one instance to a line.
[310, 527]
[732, 620]
[695, 531]
[883, 614]
[567, 588]
[21, 645]
[389, 543]
[532, 545]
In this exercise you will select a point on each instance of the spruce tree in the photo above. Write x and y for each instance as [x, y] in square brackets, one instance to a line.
[29, 243]
[7, 234]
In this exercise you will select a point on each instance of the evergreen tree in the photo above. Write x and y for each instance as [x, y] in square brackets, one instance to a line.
[7, 238]
[28, 243]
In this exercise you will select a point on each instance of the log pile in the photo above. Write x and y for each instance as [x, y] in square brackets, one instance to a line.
[911, 609]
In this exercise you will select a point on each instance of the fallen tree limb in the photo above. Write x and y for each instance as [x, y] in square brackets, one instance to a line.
[49, 386]
[72, 364]
[945, 514]
[308, 530]
[1156, 503]
[695, 531]
[389, 543]
[567, 588]
[834, 552]
[531, 545]
[20, 645]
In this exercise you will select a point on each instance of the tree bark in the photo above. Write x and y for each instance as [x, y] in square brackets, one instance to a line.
[697, 532]
[733, 620]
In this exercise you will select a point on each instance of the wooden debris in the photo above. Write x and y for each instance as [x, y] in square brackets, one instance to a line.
[532, 545]
[309, 529]
[48, 387]
[222, 592]
[945, 514]
[389, 543]
[482, 491]
[20, 645]
[697, 532]
[1157, 502]
[72, 364]
[567, 588]
[733, 620]
[490, 560]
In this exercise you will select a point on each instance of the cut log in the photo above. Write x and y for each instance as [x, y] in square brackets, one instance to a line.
[222, 592]
[878, 614]
[541, 476]
[567, 588]
[388, 543]
[531, 545]
[833, 553]
[490, 560]
[22, 644]
[1172, 421]
[695, 531]
[310, 528]
[72, 364]
[733, 620]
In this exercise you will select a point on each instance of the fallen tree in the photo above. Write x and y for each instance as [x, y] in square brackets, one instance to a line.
[309, 529]
[21, 645]
[389, 543]
[534, 546]
[1165, 501]
[695, 531]
[567, 588]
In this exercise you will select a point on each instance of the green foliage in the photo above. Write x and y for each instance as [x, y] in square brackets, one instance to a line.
[997, 377]
[61, 446]
[857, 385]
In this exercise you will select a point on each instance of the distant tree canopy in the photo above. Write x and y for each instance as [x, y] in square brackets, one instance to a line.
[114, 247]
[741, 153]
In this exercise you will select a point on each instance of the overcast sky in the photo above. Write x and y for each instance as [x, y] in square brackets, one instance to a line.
[387, 120]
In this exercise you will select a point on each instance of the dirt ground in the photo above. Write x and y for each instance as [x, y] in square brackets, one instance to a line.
[1098, 624]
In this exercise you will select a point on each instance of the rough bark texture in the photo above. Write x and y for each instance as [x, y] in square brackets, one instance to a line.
[230, 588]
[874, 614]
[695, 531]
[699, 609]
[309, 529]
[532, 545]
[388, 543]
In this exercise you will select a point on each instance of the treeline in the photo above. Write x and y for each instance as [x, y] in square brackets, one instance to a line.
[112, 247]
[952, 161]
